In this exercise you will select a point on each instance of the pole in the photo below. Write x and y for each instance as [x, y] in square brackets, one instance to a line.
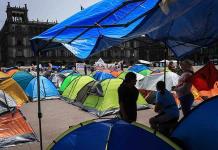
[165, 63]
[39, 102]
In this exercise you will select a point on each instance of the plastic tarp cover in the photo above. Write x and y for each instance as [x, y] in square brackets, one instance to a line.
[186, 26]
[96, 39]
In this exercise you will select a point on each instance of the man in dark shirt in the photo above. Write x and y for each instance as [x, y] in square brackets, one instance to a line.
[128, 95]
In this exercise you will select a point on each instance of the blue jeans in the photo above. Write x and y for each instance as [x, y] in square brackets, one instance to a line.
[186, 103]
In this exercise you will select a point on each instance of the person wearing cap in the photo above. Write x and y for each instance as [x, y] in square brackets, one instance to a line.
[183, 89]
[128, 95]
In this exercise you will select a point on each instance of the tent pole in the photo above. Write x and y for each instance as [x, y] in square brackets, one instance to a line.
[39, 102]
[165, 63]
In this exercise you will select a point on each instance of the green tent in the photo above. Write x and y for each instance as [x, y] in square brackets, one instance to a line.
[107, 103]
[145, 72]
[71, 91]
[122, 75]
[67, 81]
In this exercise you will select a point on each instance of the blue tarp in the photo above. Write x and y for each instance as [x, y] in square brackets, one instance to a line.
[199, 130]
[111, 134]
[96, 39]
[47, 89]
[186, 27]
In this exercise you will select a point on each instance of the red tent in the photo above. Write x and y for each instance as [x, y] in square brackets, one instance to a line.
[205, 78]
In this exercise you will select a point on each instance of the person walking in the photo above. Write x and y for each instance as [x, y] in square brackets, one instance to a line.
[128, 95]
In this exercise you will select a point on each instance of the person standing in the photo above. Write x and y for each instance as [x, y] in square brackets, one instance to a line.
[121, 65]
[128, 95]
[171, 66]
[165, 106]
[183, 89]
[85, 69]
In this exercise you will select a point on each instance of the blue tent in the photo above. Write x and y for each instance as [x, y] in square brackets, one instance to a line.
[111, 134]
[47, 89]
[138, 68]
[22, 78]
[199, 130]
[56, 67]
[68, 71]
[99, 75]
[183, 25]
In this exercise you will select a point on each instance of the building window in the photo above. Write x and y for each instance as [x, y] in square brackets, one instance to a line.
[62, 53]
[19, 43]
[19, 52]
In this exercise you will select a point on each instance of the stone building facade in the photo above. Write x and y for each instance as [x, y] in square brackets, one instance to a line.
[15, 35]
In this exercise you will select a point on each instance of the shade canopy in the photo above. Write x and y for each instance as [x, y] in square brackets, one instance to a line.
[186, 27]
[86, 32]
[183, 25]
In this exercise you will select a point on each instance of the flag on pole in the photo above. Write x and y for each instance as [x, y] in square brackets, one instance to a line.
[81, 7]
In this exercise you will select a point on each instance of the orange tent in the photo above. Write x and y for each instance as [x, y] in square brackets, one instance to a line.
[115, 73]
[14, 129]
[12, 72]
[210, 93]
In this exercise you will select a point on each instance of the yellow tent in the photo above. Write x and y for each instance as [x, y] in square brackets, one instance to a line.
[3, 75]
[14, 90]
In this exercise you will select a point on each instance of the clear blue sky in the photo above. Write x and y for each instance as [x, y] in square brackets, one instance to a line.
[46, 9]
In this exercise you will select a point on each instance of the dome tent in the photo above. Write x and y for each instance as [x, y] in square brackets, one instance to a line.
[22, 78]
[15, 129]
[111, 134]
[70, 93]
[107, 102]
[67, 81]
[11, 87]
[200, 122]
[47, 89]
[100, 75]
[57, 79]
[7, 103]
